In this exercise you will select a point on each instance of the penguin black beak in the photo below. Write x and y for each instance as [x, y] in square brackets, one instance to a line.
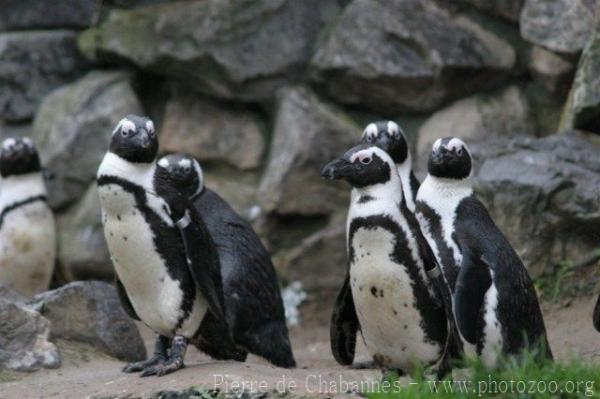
[337, 169]
[144, 139]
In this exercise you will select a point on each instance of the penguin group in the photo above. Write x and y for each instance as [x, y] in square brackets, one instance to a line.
[186, 264]
[430, 276]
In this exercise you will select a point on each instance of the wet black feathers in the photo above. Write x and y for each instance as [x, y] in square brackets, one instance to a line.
[253, 301]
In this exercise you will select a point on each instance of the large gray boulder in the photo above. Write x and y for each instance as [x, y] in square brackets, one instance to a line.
[407, 55]
[236, 49]
[551, 71]
[559, 25]
[82, 250]
[308, 133]
[90, 312]
[24, 344]
[40, 14]
[503, 113]
[73, 130]
[212, 132]
[31, 65]
[582, 110]
[543, 194]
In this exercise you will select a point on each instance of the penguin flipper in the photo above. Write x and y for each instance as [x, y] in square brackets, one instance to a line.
[203, 260]
[344, 326]
[125, 302]
[597, 315]
[474, 279]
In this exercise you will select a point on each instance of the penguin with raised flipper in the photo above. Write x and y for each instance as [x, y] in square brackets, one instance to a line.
[388, 136]
[495, 304]
[162, 280]
[397, 297]
[253, 303]
[27, 227]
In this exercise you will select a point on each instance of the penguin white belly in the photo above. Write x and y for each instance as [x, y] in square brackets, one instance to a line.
[492, 333]
[28, 248]
[385, 304]
[493, 342]
[154, 294]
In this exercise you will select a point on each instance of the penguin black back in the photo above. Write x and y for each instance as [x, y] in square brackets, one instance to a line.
[254, 307]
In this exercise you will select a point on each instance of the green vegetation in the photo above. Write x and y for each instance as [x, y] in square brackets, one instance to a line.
[522, 377]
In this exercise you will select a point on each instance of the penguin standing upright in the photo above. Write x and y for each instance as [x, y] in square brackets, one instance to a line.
[161, 278]
[496, 307]
[27, 228]
[397, 297]
[253, 303]
[388, 136]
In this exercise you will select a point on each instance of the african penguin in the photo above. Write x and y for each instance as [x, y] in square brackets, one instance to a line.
[257, 322]
[495, 304]
[388, 136]
[158, 279]
[27, 228]
[396, 296]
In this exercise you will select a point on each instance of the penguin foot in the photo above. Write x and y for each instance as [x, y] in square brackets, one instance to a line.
[173, 363]
[139, 366]
[160, 354]
[165, 367]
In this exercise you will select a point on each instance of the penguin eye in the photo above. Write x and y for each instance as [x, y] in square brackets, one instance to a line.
[459, 151]
[187, 169]
[366, 160]
[124, 133]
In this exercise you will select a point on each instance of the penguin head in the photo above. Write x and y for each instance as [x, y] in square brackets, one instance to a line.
[135, 140]
[450, 158]
[180, 172]
[388, 136]
[18, 157]
[362, 166]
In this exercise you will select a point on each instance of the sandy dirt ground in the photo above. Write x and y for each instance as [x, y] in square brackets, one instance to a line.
[88, 374]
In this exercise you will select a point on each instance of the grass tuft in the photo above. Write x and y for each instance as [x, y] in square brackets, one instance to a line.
[524, 376]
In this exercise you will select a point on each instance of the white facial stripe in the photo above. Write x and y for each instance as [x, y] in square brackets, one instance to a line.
[369, 153]
[27, 141]
[8, 144]
[185, 163]
[125, 125]
[393, 128]
[437, 144]
[163, 163]
[455, 144]
[370, 130]
[200, 177]
[360, 155]
[150, 126]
